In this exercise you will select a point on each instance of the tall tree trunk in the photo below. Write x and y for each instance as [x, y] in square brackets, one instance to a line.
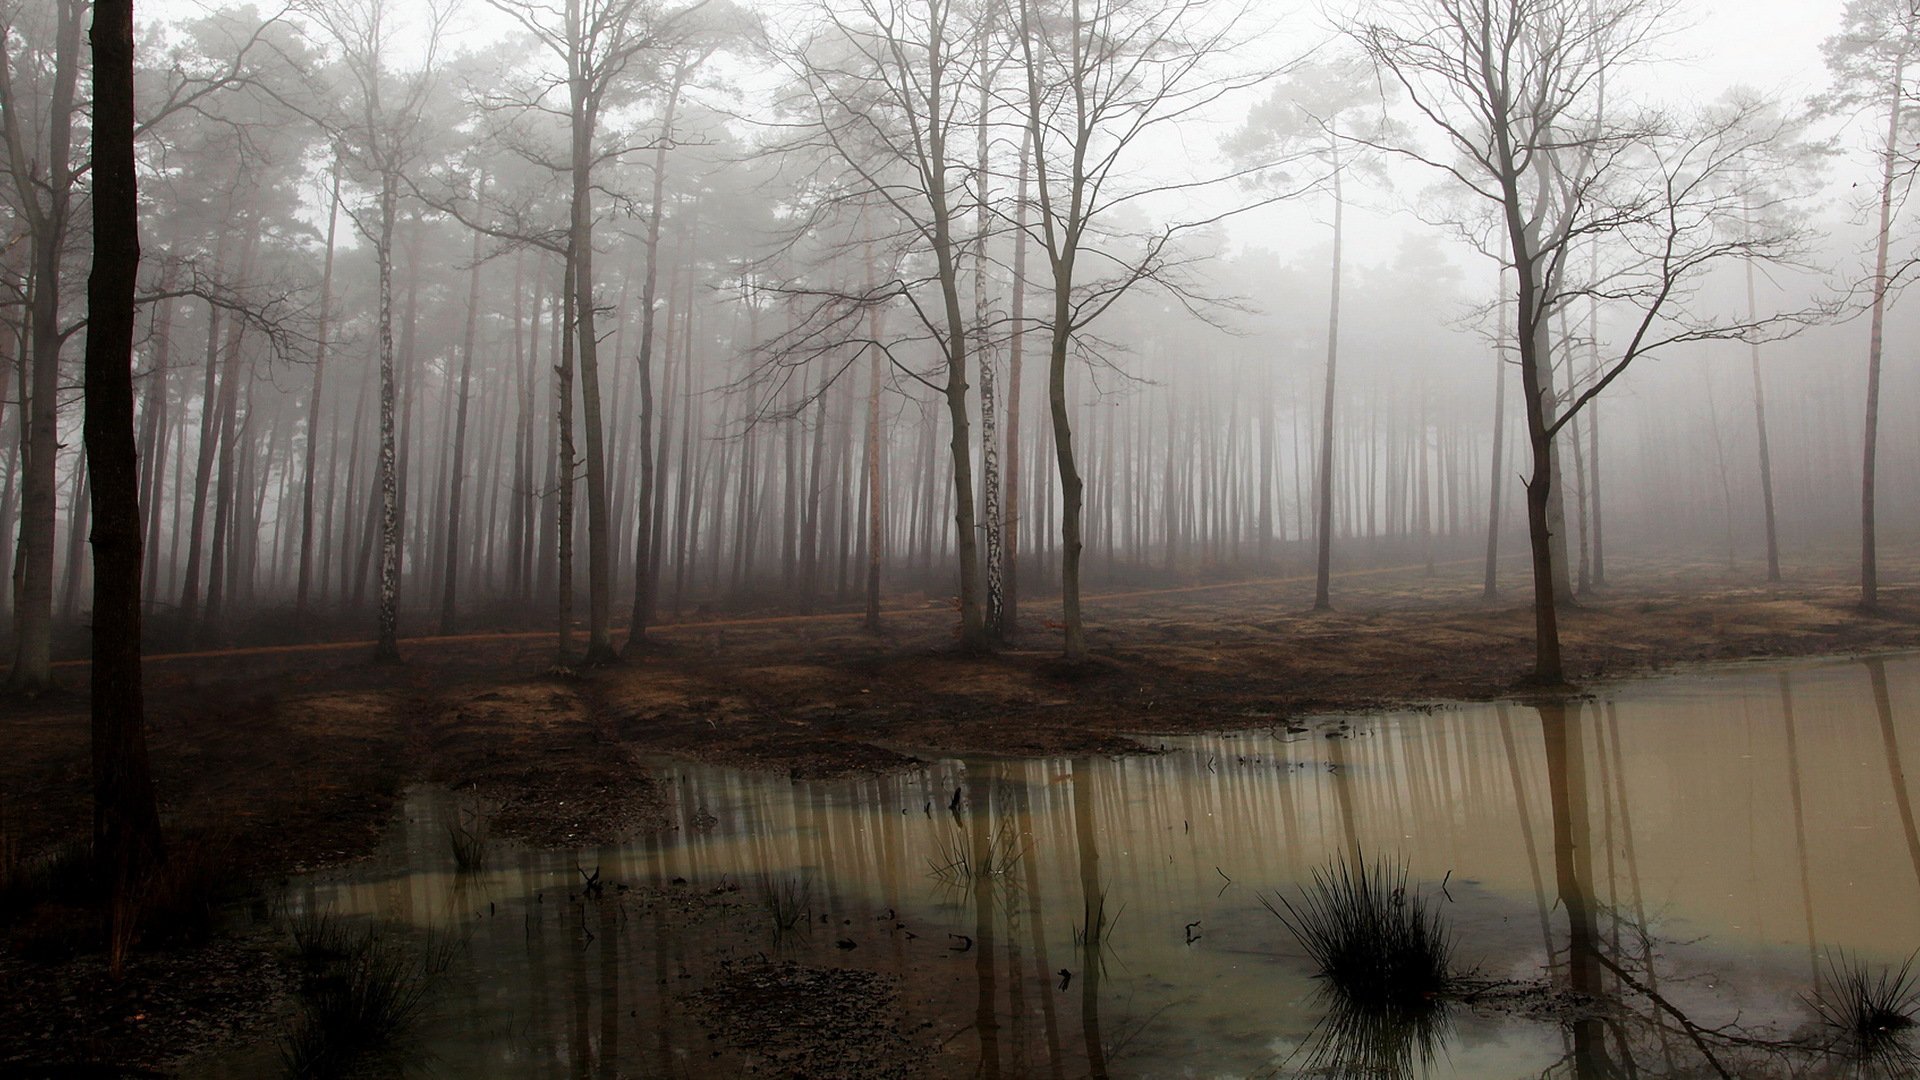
[457, 468]
[204, 453]
[1323, 559]
[1869, 567]
[387, 648]
[224, 482]
[876, 474]
[563, 390]
[989, 417]
[587, 344]
[1009, 627]
[1497, 482]
[1075, 645]
[76, 537]
[313, 406]
[1760, 427]
[126, 824]
[154, 434]
[1547, 666]
[1597, 573]
[644, 585]
[48, 221]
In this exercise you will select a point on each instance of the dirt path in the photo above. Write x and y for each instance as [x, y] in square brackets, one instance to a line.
[436, 640]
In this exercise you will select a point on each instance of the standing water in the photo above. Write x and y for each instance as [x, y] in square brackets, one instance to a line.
[1655, 880]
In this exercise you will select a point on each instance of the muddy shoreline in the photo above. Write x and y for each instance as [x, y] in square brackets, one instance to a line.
[297, 758]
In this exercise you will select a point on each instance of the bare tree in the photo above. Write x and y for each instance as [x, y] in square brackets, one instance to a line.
[1514, 88]
[1319, 104]
[601, 48]
[1102, 79]
[1869, 59]
[885, 100]
[381, 131]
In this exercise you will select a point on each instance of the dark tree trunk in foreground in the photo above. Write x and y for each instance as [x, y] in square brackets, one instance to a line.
[126, 826]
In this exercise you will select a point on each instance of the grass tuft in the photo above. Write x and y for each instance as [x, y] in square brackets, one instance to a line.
[470, 837]
[1871, 1010]
[1379, 945]
[789, 902]
[361, 992]
[956, 863]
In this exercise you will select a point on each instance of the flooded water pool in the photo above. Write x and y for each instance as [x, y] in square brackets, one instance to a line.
[1652, 880]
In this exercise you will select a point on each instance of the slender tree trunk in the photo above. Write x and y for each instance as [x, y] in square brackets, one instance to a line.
[1537, 395]
[387, 648]
[1497, 482]
[126, 823]
[1009, 627]
[313, 406]
[48, 221]
[1760, 427]
[1869, 567]
[989, 416]
[566, 467]
[1323, 560]
[1597, 573]
[876, 504]
[76, 558]
[224, 482]
[154, 434]
[457, 469]
[587, 343]
[1070, 484]
[644, 585]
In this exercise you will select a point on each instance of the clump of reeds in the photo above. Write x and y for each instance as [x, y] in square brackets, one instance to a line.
[1872, 1011]
[957, 863]
[789, 903]
[1095, 924]
[361, 992]
[470, 837]
[1377, 943]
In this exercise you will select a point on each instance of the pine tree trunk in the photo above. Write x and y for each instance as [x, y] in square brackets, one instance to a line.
[587, 345]
[566, 464]
[876, 504]
[1323, 559]
[48, 222]
[1009, 627]
[387, 646]
[644, 585]
[457, 469]
[313, 406]
[1869, 566]
[1490, 588]
[126, 823]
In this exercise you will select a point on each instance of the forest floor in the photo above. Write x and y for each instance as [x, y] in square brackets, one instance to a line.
[286, 758]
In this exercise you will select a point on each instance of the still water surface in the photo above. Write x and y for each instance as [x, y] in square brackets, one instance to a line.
[1689, 850]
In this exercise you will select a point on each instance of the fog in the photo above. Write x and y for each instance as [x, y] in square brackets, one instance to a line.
[548, 534]
[795, 297]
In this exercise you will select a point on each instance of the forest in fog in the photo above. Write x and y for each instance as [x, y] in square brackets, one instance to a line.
[605, 313]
